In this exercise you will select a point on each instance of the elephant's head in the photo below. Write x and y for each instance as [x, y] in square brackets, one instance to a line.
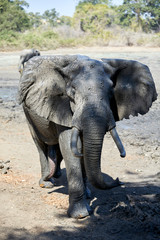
[89, 96]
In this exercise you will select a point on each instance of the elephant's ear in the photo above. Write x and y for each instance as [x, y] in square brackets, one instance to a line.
[42, 88]
[134, 88]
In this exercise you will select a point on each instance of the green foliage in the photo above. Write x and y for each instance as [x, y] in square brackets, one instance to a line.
[51, 16]
[35, 19]
[13, 16]
[33, 39]
[130, 9]
[94, 1]
[93, 18]
[95, 22]
[8, 36]
[65, 20]
[152, 14]
[139, 14]
[50, 34]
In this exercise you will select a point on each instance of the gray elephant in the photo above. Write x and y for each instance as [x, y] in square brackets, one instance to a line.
[70, 102]
[25, 56]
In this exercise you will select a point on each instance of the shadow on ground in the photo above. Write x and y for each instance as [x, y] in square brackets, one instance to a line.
[128, 212]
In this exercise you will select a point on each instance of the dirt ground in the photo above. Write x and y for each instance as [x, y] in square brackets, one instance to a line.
[131, 211]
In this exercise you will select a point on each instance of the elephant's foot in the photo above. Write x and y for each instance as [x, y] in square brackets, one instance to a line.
[79, 210]
[50, 183]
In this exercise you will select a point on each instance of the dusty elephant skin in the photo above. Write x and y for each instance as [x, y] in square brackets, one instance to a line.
[70, 102]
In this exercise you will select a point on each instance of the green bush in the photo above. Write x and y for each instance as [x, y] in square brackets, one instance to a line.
[50, 34]
[31, 39]
[156, 40]
[8, 36]
[49, 39]
[41, 39]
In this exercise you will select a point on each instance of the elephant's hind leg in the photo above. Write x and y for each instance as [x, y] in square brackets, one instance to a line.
[47, 166]
[55, 158]
[47, 169]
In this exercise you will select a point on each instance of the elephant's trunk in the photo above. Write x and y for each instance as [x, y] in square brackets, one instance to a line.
[93, 134]
[94, 129]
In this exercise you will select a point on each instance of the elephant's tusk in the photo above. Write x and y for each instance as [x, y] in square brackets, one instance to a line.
[118, 142]
[74, 140]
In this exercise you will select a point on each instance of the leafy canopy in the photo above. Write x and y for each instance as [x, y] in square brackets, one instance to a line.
[94, 1]
[51, 16]
[12, 15]
[93, 17]
[144, 14]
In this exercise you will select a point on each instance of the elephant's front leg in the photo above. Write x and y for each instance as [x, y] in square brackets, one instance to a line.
[78, 207]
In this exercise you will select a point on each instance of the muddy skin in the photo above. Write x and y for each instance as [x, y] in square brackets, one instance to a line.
[127, 212]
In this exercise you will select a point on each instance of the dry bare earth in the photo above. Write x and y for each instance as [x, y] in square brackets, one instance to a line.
[128, 212]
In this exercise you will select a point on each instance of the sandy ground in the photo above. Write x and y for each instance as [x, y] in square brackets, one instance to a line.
[131, 211]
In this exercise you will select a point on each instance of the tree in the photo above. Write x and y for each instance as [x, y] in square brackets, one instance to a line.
[35, 19]
[93, 18]
[152, 14]
[94, 2]
[51, 16]
[13, 16]
[144, 14]
[65, 20]
[129, 11]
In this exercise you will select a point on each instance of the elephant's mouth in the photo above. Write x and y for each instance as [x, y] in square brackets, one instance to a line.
[113, 132]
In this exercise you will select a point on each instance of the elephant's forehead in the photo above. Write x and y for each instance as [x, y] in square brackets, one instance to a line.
[94, 69]
[92, 63]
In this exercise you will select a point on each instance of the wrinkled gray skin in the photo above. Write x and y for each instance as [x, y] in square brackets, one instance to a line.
[25, 56]
[70, 102]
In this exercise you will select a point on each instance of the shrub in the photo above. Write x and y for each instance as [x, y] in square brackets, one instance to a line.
[50, 34]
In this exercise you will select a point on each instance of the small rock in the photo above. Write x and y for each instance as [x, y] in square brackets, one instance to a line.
[4, 166]
[5, 170]
[1, 165]
[155, 154]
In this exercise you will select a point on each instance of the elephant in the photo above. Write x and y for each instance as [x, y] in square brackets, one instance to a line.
[25, 56]
[70, 102]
